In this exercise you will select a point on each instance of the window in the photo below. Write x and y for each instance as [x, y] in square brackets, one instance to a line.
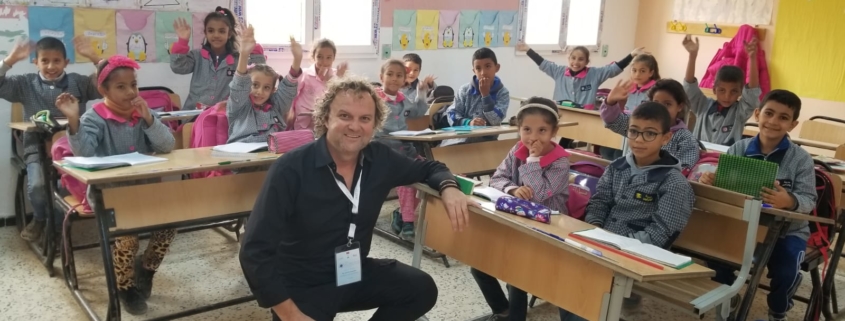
[307, 20]
[558, 24]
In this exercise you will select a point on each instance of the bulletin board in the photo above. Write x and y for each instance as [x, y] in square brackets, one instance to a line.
[807, 53]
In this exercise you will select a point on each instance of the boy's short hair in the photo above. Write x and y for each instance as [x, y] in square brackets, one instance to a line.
[50, 43]
[785, 97]
[730, 74]
[485, 53]
[412, 57]
[654, 111]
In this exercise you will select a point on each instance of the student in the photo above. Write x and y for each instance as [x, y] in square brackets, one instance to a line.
[536, 169]
[256, 107]
[795, 190]
[643, 195]
[122, 124]
[668, 93]
[413, 65]
[213, 65]
[644, 74]
[37, 92]
[722, 121]
[482, 102]
[313, 83]
[393, 76]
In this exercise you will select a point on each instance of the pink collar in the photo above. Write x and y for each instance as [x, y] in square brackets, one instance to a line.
[399, 96]
[265, 108]
[229, 59]
[556, 153]
[643, 88]
[580, 75]
[106, 113]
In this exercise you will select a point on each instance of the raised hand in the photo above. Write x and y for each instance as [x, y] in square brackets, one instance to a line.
[751, 47]
[68, 105]
[295, 49]
[427, 83]
[247, 43]
[690, 45]
[182, 28]
[638, 51]
[341, 69]
[522, 47]
[19, 52]
[620, 91]
[84, 48]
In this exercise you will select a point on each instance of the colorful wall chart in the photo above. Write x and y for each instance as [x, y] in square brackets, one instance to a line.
[52, 22]
[449, 24]
[427, 29]
[404, 29]
[488, 30]
[508, 28]
[99, 26]
[136, 35]
[14, 26]
[165, 35]
[469, 29]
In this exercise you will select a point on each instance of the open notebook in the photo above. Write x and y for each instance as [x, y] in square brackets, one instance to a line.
[636, 248]
[98, 163]
[426, 131]
[238, 149]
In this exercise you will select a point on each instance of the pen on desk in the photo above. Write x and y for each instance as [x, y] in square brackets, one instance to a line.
[583, 247]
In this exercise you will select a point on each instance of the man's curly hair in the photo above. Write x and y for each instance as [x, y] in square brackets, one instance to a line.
[349, 85]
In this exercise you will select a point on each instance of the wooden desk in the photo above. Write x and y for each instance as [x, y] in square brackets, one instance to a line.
[28, 125]
[146, 207]
[590, 128]
[506, 247]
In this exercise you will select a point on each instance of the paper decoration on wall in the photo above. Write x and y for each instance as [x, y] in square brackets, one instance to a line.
[489, 29]
[404, 29]
[427, 29]
[448, 29]
[52, 22]
[14, 26]
[136, 34]
[199, 29]
[99, 26]
[206, 5]
[165, 35]
[58, 3]
[470, 25]
[753, 12]
[508, 25]
[115, 4]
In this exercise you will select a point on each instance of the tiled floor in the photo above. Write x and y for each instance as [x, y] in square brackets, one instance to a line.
[202, 268]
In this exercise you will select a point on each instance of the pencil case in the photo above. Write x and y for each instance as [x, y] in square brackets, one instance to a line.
[285, 141]
[527, 209]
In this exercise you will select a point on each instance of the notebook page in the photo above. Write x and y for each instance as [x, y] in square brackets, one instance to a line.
[135, 159]
[658, 254]
[606, 237]
[488, 192]
[240, 147]
[426, 131]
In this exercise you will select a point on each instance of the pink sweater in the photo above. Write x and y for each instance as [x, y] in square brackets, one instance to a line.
[310, 89]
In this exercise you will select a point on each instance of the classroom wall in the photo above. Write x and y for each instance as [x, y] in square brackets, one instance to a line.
[651, 33]
[452, 67]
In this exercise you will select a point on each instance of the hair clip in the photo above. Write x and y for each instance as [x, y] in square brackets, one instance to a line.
[221, 12]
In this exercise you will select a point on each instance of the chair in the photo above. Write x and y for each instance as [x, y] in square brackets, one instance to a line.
[434, 108]
[823, 129]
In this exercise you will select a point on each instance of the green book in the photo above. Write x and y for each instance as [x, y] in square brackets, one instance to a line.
[745, 175]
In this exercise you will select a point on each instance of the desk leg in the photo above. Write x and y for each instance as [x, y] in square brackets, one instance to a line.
[108, 263]
[49, 237]
[776, 228]
[424, 148]
[419, 235]
[620, 290]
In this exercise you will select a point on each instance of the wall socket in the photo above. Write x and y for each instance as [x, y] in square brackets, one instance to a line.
[604, 50]
[386, 51]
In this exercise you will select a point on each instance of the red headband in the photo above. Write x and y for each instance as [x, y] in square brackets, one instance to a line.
[115, 62]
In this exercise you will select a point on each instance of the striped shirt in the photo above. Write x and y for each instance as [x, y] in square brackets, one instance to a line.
[37, 94]
[547, 176]
[249, 123]
[725, 126]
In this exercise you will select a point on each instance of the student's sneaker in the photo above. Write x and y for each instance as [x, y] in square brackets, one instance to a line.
[407, 231]
[133, 301]
[777, 317]
[143, 278]
[497, 317]
[32, 231]
[396, 222]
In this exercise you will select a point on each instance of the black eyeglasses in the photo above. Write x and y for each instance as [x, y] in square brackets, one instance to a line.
[647, 135]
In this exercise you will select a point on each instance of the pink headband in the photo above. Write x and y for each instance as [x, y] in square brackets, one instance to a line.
[115, 62]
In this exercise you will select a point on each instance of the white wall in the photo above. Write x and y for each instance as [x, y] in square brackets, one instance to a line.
[452, 67]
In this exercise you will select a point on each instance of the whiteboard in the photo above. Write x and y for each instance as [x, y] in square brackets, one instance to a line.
[735, 12]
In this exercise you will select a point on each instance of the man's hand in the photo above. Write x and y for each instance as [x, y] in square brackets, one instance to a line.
[456, 204]
[523, 192]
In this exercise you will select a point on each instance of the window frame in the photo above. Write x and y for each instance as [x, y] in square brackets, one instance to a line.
[561, 46]
[312, 33]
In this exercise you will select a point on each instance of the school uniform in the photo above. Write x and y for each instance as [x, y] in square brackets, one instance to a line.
[311, 88]
[211, 74]
[638, 95]
[251, 123]
[716, 124]
[682, 145]
[401, 108]
[102, 133]
[36, 94]
[548, 176]
[410, 91]
[469, 104]
[797, 175]
[579, 87]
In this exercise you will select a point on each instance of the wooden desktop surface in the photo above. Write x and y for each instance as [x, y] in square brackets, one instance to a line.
[493, 130]
[590, 128]
[28, 125]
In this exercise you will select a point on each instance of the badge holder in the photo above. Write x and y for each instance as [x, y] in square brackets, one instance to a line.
[347, 261]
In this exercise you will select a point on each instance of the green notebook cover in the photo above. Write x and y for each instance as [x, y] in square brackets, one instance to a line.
[745, 175]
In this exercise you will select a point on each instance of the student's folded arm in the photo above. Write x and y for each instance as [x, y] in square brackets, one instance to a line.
[548, 182]
[11, 87]
[182, 58]
[286, 93]
[698, 102]
[614, 119]
[258, 257]
[804, 189]
[688, 153]
[600, 203]
[495, 110]
[674, 207]
[749, 100]
[88, 136]
[239, 105]
[159, 136]
[502, 179]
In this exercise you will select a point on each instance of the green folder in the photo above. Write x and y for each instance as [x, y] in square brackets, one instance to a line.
[745, 175]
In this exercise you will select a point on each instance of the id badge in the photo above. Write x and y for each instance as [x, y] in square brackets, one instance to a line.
[347, 262]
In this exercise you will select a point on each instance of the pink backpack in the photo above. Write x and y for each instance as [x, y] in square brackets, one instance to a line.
[210, 129]
[60, 150]
[583, 186]
[706, 158]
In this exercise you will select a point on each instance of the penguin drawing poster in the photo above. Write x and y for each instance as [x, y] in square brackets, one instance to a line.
[470, 23]
[136, 35]
[448, 29]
